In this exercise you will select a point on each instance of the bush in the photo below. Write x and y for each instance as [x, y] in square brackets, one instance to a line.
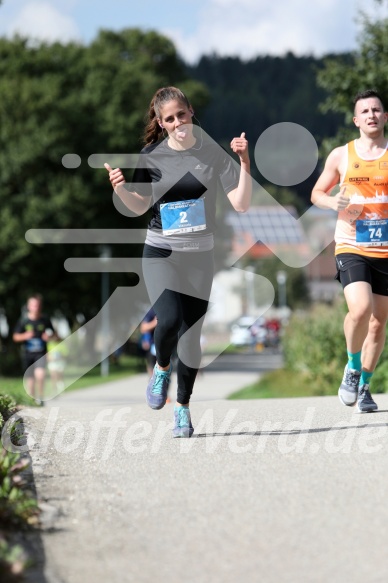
[18, 506]
[13, 561]
[10, 362]
[314, 344]
[7, 408]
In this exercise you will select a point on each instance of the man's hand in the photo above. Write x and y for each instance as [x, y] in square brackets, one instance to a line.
[340, 201]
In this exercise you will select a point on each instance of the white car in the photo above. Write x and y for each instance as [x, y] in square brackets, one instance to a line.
[241, 333]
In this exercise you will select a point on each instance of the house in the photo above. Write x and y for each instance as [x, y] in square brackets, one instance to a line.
[267, 230]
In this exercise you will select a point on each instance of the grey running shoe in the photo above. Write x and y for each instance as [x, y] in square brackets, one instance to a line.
[348, 391]
[182, 422]
[365, 403]
[157, 387]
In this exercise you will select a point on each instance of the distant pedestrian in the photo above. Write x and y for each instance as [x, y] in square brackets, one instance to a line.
[147, 343]
[57, 354]
[33, 330]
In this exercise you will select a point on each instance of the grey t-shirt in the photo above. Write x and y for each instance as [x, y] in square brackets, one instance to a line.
[183, 186]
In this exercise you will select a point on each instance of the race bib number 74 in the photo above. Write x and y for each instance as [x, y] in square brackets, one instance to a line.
[372, 233]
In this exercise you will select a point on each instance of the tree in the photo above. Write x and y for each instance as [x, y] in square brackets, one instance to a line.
[343, 77]
[252, 95]
[59, 99]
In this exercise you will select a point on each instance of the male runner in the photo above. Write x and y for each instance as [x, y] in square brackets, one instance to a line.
[361, 237]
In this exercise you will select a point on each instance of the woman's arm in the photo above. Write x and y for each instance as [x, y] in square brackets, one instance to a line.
[135, 202]
[240, 197]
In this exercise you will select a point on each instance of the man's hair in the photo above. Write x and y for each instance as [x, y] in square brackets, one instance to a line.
[366, 94]
[36, 297]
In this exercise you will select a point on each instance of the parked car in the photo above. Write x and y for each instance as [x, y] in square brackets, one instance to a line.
[247, 331]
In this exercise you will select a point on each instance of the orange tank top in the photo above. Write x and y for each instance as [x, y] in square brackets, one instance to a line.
[362, 227]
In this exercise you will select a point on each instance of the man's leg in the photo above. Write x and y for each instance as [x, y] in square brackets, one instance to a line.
[359, 299]
[30, 382]
[375, 339]
[371, 351]
[40, 374]
[29, 375]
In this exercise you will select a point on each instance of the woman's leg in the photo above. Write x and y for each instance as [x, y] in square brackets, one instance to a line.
[194, 307]
[168, 311]
[189, 350]
[160, 275]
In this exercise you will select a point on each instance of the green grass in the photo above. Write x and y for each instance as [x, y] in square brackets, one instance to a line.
[128, 365]
[14, 387]
[280, 384]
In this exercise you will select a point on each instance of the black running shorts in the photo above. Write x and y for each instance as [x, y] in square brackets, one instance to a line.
[31, 361]
[373, 270]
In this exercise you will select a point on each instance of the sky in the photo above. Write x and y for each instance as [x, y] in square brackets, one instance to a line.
[244, 28]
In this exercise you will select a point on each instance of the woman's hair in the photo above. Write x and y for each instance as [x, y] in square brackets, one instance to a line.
[153, 131]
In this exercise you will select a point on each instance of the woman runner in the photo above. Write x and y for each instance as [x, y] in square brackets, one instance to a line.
[179, 178]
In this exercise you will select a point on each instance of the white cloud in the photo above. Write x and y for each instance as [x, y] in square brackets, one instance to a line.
[254, 27]
[41, 20]
[246, 28]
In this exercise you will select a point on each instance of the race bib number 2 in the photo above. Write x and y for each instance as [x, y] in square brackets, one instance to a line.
[372, 233]
[185, 216]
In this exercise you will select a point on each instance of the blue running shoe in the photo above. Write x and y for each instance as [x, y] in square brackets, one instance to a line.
[157, 387]
[365, 403]
[182, 422]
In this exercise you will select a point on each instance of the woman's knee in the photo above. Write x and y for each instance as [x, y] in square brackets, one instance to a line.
[169, 324]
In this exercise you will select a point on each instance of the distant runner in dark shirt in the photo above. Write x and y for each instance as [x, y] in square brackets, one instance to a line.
[34, 330]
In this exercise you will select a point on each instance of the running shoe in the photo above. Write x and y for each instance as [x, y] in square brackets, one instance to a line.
[182, 422]
[157, 387]
[365, 403]
[348, 391]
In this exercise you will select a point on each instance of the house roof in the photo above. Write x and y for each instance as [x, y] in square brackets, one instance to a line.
[268, 224]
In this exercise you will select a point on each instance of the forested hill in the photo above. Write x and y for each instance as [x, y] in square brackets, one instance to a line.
[252, 95]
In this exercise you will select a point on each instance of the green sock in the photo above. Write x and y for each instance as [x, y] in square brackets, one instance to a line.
[354, 360]
[365, 377]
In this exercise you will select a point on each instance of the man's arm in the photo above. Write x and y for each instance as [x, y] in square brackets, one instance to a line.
[49, 326]
[20, 334]
[148, 326]
[330, 176]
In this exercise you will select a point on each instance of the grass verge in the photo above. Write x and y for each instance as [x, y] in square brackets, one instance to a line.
[282, 383]
[128, 365]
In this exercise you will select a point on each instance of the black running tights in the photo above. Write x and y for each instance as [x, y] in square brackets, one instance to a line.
[179, 285]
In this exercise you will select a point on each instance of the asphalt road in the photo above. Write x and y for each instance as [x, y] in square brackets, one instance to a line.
[247, 361]
[269, 491]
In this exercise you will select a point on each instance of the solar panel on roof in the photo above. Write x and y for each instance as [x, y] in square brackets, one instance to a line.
[269, 225]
